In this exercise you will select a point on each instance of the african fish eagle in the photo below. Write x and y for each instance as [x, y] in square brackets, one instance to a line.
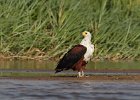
[78, 56]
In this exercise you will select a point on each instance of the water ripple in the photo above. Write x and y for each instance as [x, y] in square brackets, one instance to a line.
[68, 90]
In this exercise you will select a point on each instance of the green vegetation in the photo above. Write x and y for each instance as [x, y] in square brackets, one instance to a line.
[32, 66]
[48, 28]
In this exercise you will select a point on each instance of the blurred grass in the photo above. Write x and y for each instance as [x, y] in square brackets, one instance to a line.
[49, 28]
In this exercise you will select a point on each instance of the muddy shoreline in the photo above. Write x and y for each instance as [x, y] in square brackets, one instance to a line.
[93, 75]
[74, 78]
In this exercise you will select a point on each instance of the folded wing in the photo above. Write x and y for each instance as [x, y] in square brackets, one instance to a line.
[71, 58]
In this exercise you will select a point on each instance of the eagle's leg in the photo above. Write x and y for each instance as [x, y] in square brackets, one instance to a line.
[82, 73]
[80, 70]
[79, 74]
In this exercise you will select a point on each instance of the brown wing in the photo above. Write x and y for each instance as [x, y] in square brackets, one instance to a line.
[71, 58]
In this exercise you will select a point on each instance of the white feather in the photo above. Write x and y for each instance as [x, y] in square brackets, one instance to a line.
[90, 47]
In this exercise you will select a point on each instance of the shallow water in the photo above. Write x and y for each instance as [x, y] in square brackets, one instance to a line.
[50, 65]
[68, 90]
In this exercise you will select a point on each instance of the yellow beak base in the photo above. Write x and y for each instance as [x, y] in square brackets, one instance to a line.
[84, 34]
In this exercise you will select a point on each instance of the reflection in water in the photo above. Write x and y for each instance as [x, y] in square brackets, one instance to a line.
[33, 64]
[68, 90]
[26, 64]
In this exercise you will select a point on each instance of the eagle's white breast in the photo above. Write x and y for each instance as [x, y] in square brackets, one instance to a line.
[89, 52]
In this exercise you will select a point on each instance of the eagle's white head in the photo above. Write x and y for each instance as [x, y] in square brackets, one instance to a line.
[87, 38]
[86, 34]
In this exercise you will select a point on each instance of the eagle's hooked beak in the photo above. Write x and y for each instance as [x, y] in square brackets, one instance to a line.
[84, 34]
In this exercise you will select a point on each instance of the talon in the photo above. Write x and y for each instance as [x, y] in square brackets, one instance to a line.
[86, 76]
[79, 76]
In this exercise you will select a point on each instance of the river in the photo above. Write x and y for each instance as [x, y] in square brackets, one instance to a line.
[68, 90]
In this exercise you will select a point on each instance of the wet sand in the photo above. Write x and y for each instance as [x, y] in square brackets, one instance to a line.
[93, 75]
[74, 78]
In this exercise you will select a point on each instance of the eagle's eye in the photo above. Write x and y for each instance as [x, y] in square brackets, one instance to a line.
[85, 33]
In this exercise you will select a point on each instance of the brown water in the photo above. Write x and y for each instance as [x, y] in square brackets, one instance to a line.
[68, 90]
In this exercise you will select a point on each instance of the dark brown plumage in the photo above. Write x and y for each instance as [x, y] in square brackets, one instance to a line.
[73, 59]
